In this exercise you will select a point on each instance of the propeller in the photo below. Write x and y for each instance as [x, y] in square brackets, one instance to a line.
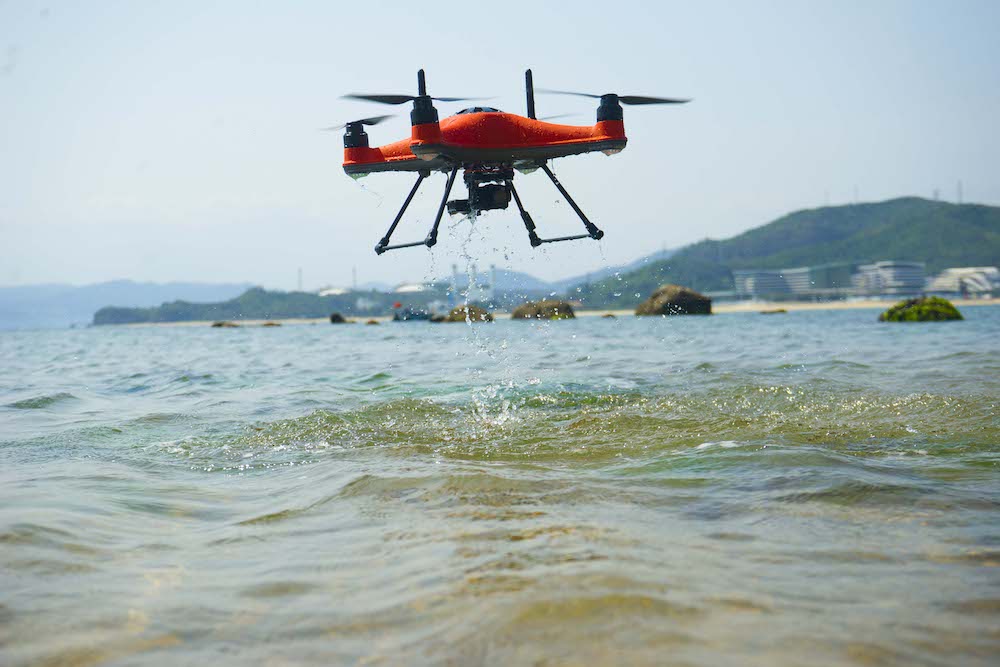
[624, 99]
[403, 99]
[374, 120]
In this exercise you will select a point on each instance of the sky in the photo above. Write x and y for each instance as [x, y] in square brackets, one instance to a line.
[180, 141]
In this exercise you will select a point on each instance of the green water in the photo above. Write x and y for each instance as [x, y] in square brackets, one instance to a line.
[809, 488]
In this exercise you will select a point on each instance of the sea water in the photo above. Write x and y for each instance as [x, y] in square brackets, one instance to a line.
[807, 488]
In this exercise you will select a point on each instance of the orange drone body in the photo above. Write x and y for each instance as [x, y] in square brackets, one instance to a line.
[475, 136]
[487, 145]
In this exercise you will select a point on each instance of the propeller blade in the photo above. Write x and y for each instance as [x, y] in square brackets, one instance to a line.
[639, 99]
[566, 92]
[374, 120]
[381, 99]
[558, 115]
[403, 99]
[624, 99]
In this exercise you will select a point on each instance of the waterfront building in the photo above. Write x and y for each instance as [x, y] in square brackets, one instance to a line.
[819, 279]
[967, 281]
[410, 288]
[823, 280]
[890, 278]
[760, 284]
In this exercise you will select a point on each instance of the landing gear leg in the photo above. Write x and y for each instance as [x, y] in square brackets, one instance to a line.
[383, 245]
[592, 230]
[431, 239]
[529, 224]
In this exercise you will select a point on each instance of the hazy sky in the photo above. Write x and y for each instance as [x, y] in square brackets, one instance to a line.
[179, 140]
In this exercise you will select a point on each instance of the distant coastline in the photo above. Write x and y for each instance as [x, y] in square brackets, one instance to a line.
[717, 309]
[805, 260]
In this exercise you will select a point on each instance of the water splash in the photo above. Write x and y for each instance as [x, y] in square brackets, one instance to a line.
[379, 198]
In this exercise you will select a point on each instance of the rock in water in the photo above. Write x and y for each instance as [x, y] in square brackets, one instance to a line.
[337, 318]
[549, 309]
[923, 309]
[475, 314]
[270, 323]
[225, 325]
[675, 300]
[372, 322]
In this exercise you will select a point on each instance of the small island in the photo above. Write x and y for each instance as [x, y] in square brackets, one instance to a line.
[922, 309]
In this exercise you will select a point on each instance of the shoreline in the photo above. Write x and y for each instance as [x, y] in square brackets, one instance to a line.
[717, 309]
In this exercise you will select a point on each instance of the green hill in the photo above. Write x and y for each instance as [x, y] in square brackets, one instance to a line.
[939, 234]
[260, 304]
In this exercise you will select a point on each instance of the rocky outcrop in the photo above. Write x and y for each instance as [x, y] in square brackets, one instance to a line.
[549, 309]
[337, 318]
[225, 325]
[469, 313]
[675, 300]
[923, 309]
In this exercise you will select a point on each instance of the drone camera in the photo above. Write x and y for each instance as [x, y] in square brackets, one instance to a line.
[482, 197]
[489, 196]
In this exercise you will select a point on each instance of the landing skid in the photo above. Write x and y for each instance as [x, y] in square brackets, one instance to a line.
[529, 224]
[431, 239]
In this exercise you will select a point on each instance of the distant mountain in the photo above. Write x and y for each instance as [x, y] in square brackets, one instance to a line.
[507, 280]
[937, 233]
[607, 271]
[56, 306]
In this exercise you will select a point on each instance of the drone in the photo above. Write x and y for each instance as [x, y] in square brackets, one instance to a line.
[488, 145]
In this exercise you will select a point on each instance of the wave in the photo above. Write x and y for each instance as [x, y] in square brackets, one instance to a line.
[41, 402]
[519, 424]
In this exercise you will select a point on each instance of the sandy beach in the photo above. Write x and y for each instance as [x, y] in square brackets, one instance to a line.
[758, 306]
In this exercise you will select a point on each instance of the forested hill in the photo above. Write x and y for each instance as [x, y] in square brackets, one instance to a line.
[257, 303]
[937, 233]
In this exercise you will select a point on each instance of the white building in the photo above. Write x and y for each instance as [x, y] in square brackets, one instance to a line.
[410, 288]
[891, 278]
[758, 284]
[967, 280]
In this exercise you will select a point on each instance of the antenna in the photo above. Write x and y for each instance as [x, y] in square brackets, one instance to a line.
[421, 83]
[529, 90]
